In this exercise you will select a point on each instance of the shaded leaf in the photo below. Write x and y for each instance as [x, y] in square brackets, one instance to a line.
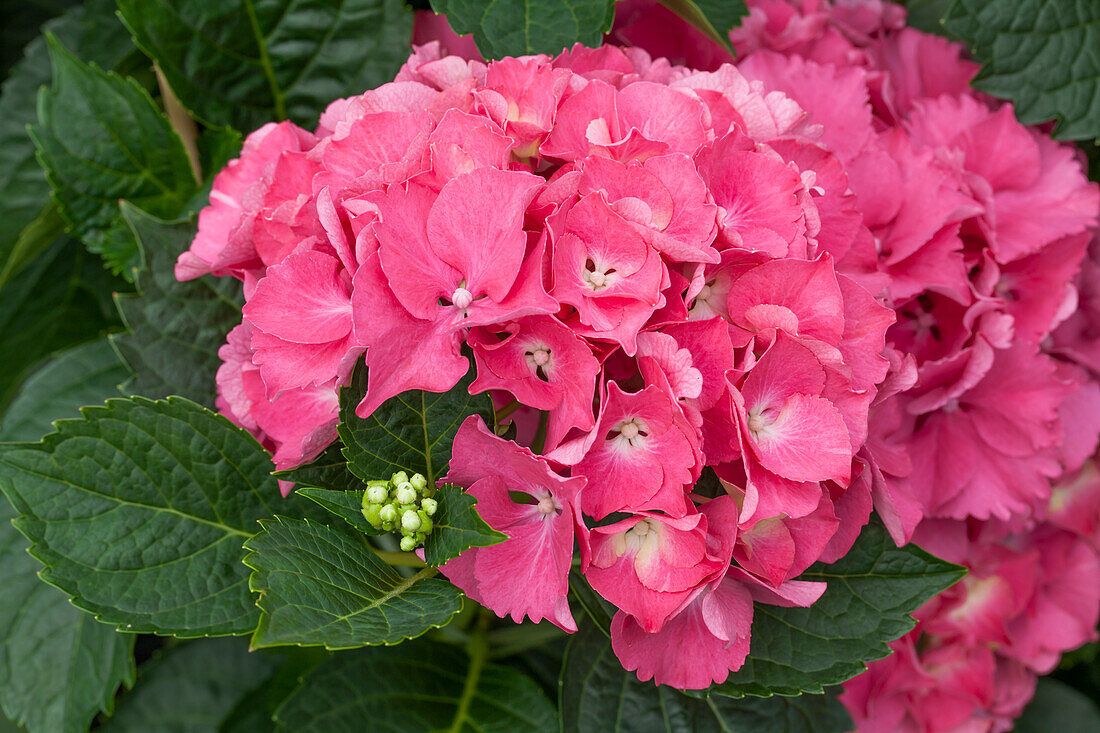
[417, 686]
[139, 510]
[176, 328]
[598, 694]
[191, 688]
[101, 138]
[79, 376]
[242, 63]
[927, 15]
[1041, 54]
[320, 587]
[517, 27]
[94, 33]
[1058, 707]
[58, 666]
[872, 590]
[457, 526]
[61, 299]
[411, 432]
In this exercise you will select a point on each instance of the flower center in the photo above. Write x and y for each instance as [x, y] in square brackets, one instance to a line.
[546, 505]
[704, 294]
[538, 360]
[631, 432]
[462, 298]
[597, 278]
[756, 422]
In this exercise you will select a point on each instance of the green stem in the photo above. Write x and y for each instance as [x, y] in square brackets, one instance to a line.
[506, 411]
[478, 649]
[407, 559]
[265, 62]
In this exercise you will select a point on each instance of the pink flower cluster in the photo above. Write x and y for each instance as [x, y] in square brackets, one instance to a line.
[722, 311]
[979, 227]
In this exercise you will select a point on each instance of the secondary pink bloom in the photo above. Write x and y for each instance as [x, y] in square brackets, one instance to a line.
[1034, 189]
[986, 452]
[527, 575]
[939, 688]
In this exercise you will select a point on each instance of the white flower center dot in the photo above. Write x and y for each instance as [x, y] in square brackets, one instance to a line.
[462, 298]
[546, 505]
[541, 356]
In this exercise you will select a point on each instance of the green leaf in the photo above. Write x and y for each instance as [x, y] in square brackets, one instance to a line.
[1041, 54]
[517, 27]
[417, 686]
[93, 32]
[598, 694]
[139, 510]
[242, 63]
[58, 666]
[872, 590]
[61, 299]
[348, 505]
[328, 471]
[176, 328]
[410, 432]
[101, 138]
[716, 18]
[191, 688]
[927, 15]
[320, 587]
[255, 712]
[83, 375]
[598, 610]
[457, 526]
[1057, 706]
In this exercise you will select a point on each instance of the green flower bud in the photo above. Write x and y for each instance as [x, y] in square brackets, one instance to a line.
[419, 482]
[410, 521]
[376, 493]
[399, 478]
[408, 544]
[406, 494]
[430, 506]
[372, 512]
[388, 514]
